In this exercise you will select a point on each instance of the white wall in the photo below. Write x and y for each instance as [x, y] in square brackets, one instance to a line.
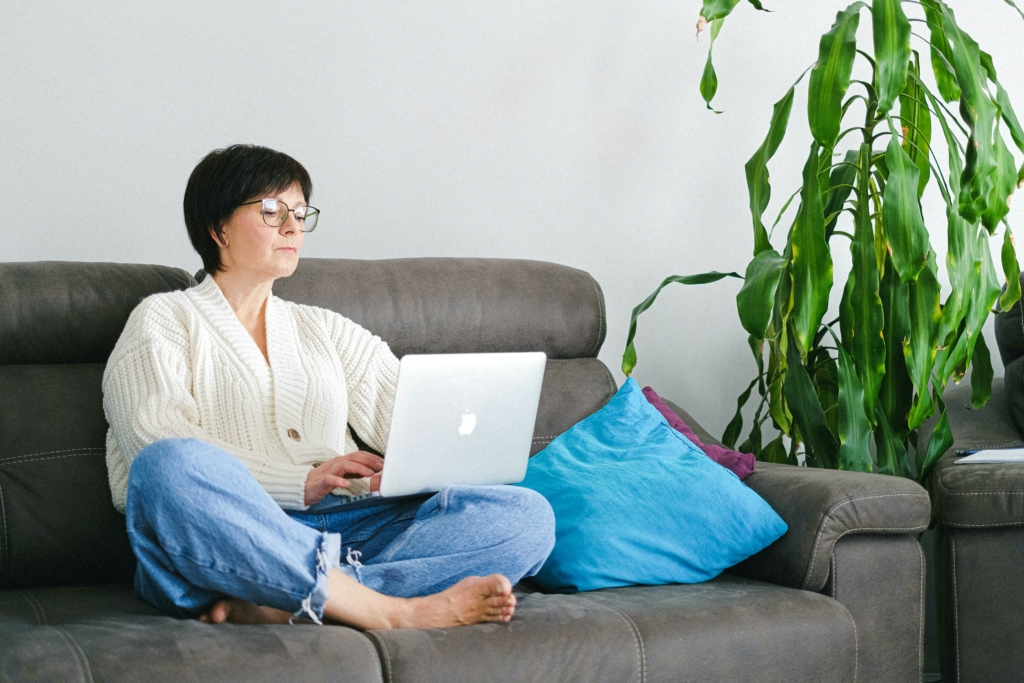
[564, 131]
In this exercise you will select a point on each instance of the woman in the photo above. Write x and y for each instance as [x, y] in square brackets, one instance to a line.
[230, 452]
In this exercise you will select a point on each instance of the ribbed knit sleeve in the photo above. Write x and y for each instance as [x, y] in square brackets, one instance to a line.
[371, 374]
[147, 397]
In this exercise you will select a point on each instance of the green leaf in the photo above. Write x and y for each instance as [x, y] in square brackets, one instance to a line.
[892, 455]
[916, 122]
[896, 394]
[891, 31]
[830, 77]
[1011, 270]
[775, 451]
[717, 9]
[1004, 182]
[755, 299]
[807, 412]
[758, 185]
[826, 385]
[901, 212]
[940, 441]
[709, 80]
[941, 53]
[919, 350]
[863, 334]
[854, 427]
[1012, 4]
[840, 182]
[735, 426]
[980, 114]
[629, 356]
[981, 374]
[811, 258]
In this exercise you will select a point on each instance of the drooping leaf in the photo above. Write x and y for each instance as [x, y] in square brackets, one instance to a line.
[892, 453]
[901, 212]
[811, 259]
[940, 441]
[735, 426]
[826, 385]
[891, 32]
[1011, 271]
[775, 451]
[916, 122]
[941, 53]
[919, 349]
[983, 297]
[981, 374]
[807, 412]
[755, 299]
[629, 356]
[717, 9]
[840, 185]
[1012, 4]
[1004, 182]
[896, 394]
[830, 77]
[980, 113]
[758, 185]
[863, 336]
[854, 427]
[709, 80]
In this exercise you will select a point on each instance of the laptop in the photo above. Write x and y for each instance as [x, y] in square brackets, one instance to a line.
[465, 418]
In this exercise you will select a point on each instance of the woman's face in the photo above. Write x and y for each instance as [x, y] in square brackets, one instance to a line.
[251, 247]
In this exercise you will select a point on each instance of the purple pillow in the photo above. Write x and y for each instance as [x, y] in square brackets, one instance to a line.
[741, 464]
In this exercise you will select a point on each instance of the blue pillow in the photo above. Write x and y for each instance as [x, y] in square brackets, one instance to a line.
[637, 503]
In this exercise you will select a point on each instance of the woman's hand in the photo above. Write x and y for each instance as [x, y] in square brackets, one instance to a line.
[336, 472]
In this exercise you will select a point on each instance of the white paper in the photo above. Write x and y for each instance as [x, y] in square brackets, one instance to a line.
[994, 456]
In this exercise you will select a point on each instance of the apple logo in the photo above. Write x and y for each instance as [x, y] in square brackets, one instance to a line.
[468, 423]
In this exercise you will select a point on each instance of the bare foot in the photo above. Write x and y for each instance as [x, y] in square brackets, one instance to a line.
[235, 611]
[474, 600]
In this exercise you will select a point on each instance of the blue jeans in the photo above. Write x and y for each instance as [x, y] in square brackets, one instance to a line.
[203, 528]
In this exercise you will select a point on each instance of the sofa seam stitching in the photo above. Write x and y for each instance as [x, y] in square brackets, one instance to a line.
[828, 516]
[958, 525]
[65, 450]
[37, 608]
[76, 650]
[835, 591]
[921, 623]
[5, 550]
[31, 459]
[956, 613]
[601, 322]
[641, 654]
[386, 665]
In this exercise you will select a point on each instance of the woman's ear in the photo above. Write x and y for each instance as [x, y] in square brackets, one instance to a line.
[221, 240]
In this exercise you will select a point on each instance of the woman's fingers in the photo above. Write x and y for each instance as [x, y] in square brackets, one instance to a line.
[331, 482]
[374, 462]
[347, 467]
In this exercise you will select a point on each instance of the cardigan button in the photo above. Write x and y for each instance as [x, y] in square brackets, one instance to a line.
[294, 435]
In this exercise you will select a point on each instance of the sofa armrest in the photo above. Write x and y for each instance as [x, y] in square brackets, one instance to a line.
[822, 506]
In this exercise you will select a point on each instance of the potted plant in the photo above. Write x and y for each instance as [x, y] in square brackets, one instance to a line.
[877, 371]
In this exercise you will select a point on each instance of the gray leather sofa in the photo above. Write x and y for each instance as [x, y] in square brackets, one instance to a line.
[838, 598]
[979, 514]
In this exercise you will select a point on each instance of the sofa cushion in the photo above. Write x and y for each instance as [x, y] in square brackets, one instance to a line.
[106, 634]
[67, 312]
[726, 629]
[983, 495]
[57, 523]
[459, 305]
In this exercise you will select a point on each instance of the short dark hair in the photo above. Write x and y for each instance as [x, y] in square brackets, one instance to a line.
[227, 178]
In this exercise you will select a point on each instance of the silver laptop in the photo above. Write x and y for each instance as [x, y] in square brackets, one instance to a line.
[463, 418]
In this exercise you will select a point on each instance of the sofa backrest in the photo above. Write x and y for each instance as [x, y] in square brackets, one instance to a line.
[59, 322]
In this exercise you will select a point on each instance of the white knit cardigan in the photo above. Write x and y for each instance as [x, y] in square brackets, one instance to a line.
[185, 366]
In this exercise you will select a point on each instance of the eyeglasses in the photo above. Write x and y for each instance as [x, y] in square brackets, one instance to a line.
[275, 214]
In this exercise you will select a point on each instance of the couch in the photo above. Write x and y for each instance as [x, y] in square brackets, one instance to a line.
[979, 517]
[837, 598]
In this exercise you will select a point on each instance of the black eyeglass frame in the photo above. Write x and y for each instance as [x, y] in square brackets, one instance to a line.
[302, 221]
